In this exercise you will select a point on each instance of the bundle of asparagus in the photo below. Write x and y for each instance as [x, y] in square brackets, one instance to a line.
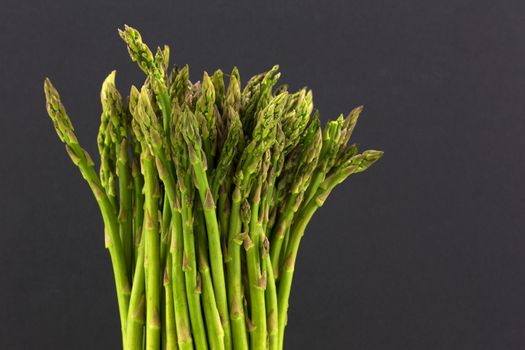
[205, 192]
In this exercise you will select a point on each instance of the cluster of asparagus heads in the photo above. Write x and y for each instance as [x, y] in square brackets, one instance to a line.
[205, 190]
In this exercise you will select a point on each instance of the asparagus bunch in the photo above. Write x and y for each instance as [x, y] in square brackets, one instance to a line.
[205, 191]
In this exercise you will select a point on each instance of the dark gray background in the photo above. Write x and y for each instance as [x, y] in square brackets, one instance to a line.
[426, 250]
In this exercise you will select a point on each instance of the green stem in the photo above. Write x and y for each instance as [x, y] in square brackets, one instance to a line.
[166, 174]
[284, 248]
[152, 254]
[170, 325]
[214, 242]
[233, 265]
[271, 303]
[315, 182]
[271, 288]
[182, 319]
[164, 248]
[165, 232]
[125, 209]
[257, 280]
[213, 320]
[285, 279]
[281, 228]
[182, 241]
[190, 271]
[113, 242]
[138, 208]
[223, 207]
[137, 308]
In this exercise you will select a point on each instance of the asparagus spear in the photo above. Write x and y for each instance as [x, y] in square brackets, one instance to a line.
[154, 67]
[137, 307]
[182, 320]
[138, 200]
[189, 260]
[256, 275]
[152, 252]
[145, 119]
[264, 245]
[235, 297]
[211, 312]
[83, 161]
[275, 164]
[200, 178]
[113, 140]
[344, 168]
[170, 323]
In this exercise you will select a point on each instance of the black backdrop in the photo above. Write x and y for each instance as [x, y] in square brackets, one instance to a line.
[424, 251]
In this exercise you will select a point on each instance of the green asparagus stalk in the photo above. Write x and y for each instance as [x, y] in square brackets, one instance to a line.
[154, 67]
[115, 137]
[165, 231]
[270, 299]
[200, 179]
[193, 287]
[346, 165]
[182, 319]
[234, 235]
[170, 324]
[137, 307]
[152, 252]
[211, 312]
[256, 277]
[275, 164]
[85, 164]
[138, 207]
[233, 262]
